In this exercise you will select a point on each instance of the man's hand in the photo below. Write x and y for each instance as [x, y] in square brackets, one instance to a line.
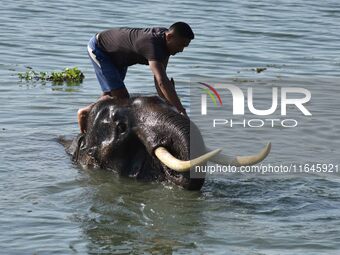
[183, 112]
[173, 82]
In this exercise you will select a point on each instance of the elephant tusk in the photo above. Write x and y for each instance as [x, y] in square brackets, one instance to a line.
[180, 165]
[242, 160]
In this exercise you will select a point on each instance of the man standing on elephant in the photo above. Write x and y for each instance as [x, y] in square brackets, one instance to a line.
[113, 50]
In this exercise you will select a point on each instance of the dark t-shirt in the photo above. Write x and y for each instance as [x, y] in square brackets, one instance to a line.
[129, 46]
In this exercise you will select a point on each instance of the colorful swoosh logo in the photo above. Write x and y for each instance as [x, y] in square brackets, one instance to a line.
[212, 92]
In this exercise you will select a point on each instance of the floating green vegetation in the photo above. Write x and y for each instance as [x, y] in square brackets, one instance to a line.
[260, 69]
[70, 76]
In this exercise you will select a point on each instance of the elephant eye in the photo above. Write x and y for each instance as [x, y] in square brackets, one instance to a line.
[121, 127]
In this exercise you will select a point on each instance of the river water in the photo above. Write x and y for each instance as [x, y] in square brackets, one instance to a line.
[50, 206]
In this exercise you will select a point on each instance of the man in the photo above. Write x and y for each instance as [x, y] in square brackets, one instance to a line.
[113, 50]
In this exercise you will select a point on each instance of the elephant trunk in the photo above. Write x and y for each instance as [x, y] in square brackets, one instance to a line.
[178, 136]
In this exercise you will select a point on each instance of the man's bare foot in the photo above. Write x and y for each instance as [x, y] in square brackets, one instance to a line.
[117, 93]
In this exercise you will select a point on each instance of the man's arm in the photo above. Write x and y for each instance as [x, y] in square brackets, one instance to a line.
[165, 86]
[165, 64]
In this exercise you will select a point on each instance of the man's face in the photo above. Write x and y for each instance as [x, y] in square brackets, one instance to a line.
[176, 43]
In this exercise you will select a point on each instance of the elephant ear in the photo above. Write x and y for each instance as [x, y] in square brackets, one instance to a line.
[75, 146]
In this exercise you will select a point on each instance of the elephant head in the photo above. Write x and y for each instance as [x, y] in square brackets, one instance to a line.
[143, 137]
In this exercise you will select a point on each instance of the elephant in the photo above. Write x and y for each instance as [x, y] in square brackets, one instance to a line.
[145, 138]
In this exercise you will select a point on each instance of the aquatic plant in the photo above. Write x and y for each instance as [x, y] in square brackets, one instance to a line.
[260, 69]
[70, 76]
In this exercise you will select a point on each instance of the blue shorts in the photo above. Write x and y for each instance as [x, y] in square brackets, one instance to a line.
[109, 76]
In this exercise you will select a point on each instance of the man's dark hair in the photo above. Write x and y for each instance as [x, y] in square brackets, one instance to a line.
[182, 29]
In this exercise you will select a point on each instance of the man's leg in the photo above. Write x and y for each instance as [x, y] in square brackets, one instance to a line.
[82, 117]
[111, 80]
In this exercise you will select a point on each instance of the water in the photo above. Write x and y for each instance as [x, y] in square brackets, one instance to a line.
[50, 206]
